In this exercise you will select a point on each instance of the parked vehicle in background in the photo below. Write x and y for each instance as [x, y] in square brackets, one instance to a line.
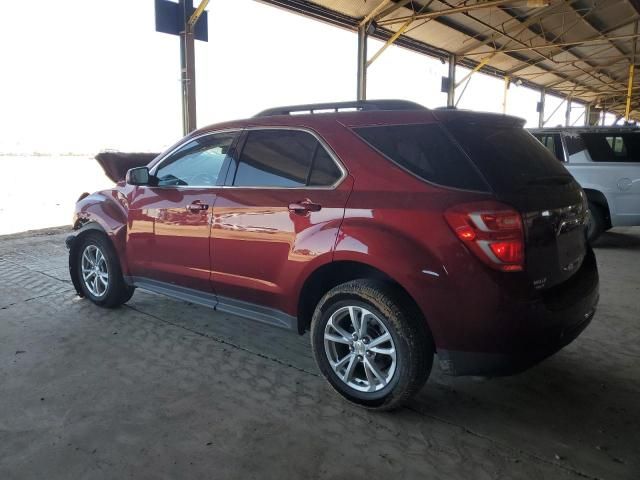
[606, 163]
[389, 231]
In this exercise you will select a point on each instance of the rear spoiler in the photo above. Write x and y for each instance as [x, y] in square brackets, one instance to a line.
[116, 164]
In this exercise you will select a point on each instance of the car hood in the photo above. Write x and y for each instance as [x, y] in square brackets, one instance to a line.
[116, 164]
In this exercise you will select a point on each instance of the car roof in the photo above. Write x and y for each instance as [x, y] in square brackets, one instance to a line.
[589, 129]
[360, 113]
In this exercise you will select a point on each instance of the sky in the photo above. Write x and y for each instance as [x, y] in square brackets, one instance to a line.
[81, 76]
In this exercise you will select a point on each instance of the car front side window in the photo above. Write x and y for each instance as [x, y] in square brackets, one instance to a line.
[198, 163]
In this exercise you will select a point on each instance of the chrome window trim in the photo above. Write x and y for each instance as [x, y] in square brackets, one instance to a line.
[323, 144]
[321, 141]
[166, 156]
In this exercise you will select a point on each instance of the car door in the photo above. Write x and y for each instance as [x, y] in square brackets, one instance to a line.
[281, 209]
[177, 208]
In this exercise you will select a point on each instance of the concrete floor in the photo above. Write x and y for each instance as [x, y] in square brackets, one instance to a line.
[164, 389]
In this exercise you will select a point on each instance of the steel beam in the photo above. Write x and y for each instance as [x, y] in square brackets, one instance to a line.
[447, 11]
[587, 114]
[362, 63]
[543, 95]
[555, 45]
[507, 81]
[188, 71]
[567, 113]
[627, 110]
[451, 91]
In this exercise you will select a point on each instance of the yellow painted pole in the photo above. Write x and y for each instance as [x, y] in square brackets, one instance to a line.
[482, 63]
[198, 11]
[627, 110]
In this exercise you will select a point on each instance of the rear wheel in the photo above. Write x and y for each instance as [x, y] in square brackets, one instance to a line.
[597, 221]
[99, 272]
[372, 351]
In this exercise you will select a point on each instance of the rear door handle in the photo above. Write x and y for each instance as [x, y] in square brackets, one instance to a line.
[197, 206]
[305, 206]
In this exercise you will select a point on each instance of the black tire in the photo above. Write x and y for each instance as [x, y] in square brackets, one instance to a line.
[117, 291]
[597, 222]
[412, 341]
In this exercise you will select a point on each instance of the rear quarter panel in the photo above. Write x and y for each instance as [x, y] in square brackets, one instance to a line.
[395, 223]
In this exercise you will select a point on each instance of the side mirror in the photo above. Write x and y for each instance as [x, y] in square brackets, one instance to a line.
[138, 176]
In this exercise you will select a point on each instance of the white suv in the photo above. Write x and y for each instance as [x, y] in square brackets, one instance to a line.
[606, 163]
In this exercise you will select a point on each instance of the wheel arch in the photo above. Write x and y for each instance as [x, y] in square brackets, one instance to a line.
[73, 242]
[599, 199]
[329, 275]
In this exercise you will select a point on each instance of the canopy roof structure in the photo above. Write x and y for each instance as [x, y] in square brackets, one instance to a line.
[584, 50]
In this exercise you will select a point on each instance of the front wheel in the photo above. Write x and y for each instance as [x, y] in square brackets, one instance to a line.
[373, 351]
[99, 272]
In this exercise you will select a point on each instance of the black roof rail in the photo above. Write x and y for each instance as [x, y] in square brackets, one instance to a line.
[358, 105]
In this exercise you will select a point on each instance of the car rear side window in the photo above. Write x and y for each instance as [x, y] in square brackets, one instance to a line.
[603, 147]
[574, 143]
[508, 156]
[284, 158]
[426, 151]
[324, 171]
[552, 142]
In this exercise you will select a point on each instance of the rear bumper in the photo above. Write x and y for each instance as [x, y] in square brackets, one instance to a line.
[457, 363]
[536, 329]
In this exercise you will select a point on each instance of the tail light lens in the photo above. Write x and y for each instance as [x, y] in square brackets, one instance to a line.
[492, 231]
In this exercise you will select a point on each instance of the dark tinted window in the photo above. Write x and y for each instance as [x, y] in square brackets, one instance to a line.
[275, 158]
[608, 147]
[426, 151]
[324, 172]
[574, 143]
[198, 163]
[552, 142]
[509, 157]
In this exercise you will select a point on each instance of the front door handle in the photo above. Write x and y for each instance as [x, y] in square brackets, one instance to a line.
[197, 206]
[304, 207]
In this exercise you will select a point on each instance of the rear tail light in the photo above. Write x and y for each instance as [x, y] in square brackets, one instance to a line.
[492, 231]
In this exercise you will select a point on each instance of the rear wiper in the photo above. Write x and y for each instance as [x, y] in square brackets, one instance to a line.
[551, 180]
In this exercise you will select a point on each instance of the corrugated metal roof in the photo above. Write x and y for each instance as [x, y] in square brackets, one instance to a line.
[577, 48]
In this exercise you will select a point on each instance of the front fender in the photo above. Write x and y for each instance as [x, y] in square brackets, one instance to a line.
[106, 212]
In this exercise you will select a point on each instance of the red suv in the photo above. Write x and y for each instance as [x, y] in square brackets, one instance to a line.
[390, 231]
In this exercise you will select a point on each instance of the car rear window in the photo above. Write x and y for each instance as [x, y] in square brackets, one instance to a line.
[509, 157]
[426, 151]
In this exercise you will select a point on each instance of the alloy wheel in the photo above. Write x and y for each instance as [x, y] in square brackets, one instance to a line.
[360, 349]
[95, 273]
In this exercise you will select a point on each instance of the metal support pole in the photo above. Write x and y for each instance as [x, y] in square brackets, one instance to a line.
[362, 62]
[451, 90]
[587, 115]
[507, 80]
[541, 108]
[627, 110]
[188, 71]
[567, 113]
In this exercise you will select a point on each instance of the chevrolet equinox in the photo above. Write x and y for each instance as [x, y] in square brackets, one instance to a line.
[391, 232]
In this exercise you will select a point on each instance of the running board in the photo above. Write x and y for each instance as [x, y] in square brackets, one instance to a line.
[251, 311]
